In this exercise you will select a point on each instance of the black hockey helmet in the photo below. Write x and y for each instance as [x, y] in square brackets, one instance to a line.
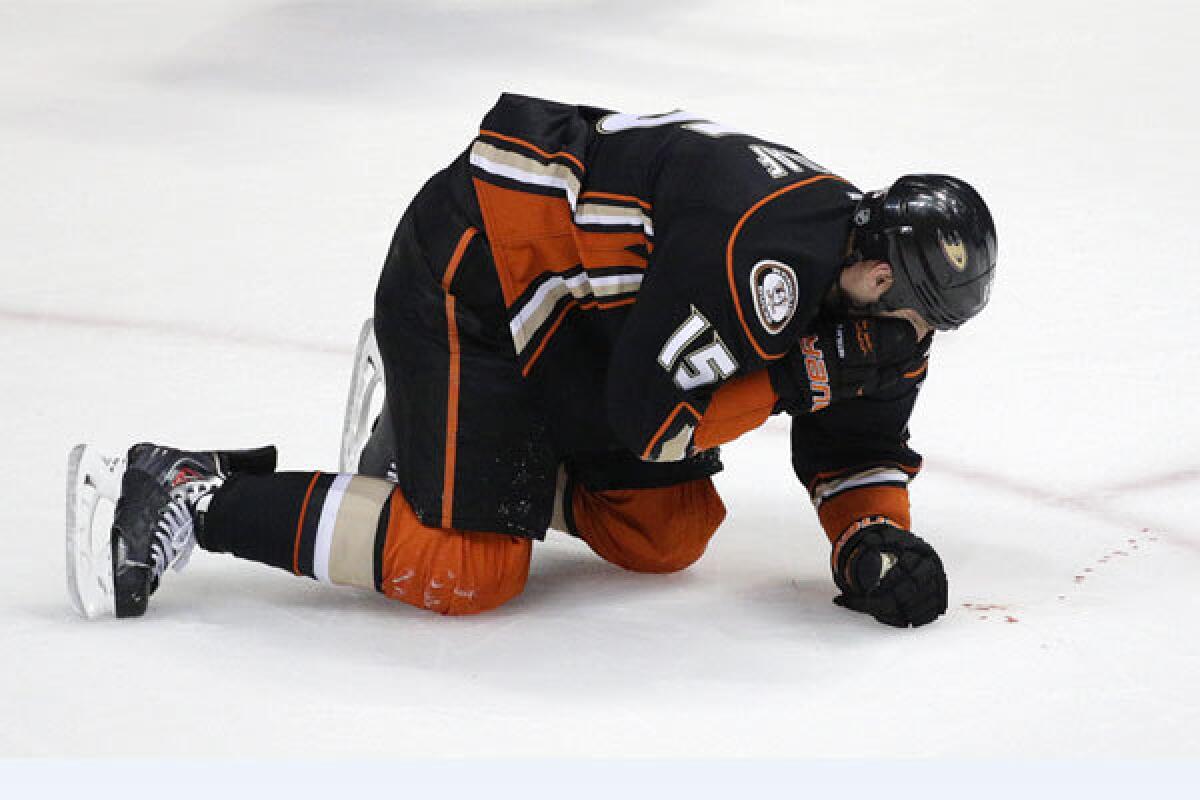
[938, 235]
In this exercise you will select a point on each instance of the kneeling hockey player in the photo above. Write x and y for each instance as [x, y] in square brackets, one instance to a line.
[571, 319]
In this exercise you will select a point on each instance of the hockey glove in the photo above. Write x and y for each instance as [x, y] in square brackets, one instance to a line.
[889, 573]
[844, 358]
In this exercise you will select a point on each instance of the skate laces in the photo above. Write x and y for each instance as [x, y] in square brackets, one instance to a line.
[175, 532]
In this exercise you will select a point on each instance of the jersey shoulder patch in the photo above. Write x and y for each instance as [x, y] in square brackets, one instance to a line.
[776, 294]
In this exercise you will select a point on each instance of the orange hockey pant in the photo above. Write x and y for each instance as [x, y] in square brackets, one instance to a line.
[463, 572]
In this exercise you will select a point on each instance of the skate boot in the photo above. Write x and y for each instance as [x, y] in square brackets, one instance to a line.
[163, 493]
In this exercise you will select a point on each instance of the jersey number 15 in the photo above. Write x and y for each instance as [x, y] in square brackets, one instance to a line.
[705, 364]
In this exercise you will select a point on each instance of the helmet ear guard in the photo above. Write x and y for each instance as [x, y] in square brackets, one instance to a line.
[870, 240]
[938, 236]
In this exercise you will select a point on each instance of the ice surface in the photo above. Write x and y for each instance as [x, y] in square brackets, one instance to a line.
[195, 201]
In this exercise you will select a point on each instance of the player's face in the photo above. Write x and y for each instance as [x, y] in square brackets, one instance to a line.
[863, 283]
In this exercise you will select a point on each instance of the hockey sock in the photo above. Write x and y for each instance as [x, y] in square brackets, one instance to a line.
[327, 526]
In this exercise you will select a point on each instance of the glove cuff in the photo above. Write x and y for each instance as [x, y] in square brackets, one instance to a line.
[843, 510]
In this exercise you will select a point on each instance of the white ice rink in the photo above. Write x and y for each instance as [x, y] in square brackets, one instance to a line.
[195, 199]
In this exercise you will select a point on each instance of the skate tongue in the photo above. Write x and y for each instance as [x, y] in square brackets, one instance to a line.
[259, 461]
[185, 474]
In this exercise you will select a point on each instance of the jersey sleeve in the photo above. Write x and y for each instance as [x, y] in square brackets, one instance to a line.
[740, 264]
[668, 360]
[854, 457]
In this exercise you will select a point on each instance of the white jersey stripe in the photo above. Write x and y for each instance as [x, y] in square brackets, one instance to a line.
[823, 491]
[523, 169]
[602, 214]
[532, 316]
[325, 526]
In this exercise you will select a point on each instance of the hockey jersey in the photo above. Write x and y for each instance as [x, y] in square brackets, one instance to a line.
[646, 262]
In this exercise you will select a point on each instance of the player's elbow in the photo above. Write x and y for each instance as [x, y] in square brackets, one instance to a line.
[646, 414]
[661, 529]
[669, 442]
[454, 572]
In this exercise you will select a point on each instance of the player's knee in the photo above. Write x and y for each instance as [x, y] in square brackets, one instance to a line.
[656, 530]
[495, 574]
[452, 572]
[663, 559]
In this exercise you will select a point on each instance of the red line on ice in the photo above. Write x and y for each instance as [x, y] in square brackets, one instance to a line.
[198, 332]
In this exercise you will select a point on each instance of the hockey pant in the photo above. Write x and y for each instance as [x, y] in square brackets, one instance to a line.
[360, 531]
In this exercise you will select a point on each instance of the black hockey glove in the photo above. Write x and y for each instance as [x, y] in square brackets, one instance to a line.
[891, 574]
[844, 358]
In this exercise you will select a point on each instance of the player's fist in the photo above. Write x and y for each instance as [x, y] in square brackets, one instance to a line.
[843, 358]
[889, 573]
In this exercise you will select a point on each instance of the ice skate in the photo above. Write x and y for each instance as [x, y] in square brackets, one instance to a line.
[366, 432]
[158, 493]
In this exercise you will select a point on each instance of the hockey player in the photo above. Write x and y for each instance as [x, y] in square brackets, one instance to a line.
[572, 318]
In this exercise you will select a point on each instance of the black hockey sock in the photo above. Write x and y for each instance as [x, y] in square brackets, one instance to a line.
[288, 519]
[255, 517]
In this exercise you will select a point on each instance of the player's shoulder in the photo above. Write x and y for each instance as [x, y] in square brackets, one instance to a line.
[735, 171]
[548, 128]
[783, 253]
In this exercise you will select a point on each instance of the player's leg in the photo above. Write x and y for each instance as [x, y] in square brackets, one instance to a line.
[644, 517]
[473, 466]
[354, 530]
[664, 529]
[471, 451]
[337, 528]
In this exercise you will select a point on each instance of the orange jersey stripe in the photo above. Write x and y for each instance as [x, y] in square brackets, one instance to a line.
[453, 383]
[530, 235]
[514, 140]
[456, 257]
[662, 429]
[610, 196]
[454, 380]
[604, 306]
[598, 250]
[300, 523]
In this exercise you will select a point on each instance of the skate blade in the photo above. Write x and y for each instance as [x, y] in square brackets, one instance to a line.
[93, 483]
[365, 399]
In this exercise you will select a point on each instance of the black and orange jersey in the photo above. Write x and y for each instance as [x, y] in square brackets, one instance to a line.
[644, 261]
